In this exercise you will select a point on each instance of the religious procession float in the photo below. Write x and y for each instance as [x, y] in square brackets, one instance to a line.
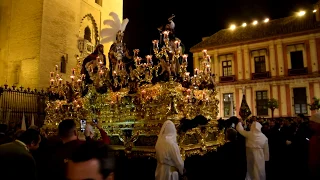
[133, 96]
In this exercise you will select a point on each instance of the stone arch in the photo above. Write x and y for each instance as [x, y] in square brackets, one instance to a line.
[88, 21]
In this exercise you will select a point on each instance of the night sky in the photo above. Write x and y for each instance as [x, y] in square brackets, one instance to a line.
[199, 18]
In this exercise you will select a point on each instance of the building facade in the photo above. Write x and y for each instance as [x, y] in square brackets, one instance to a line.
[277, 59]
[36, 35]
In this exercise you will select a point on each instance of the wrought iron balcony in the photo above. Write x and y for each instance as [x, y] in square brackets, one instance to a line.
[224, 79]
[294, 72]
[261, 75]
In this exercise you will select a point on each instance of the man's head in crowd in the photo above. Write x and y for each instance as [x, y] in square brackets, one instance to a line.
[272, 123]
[300, 118]
[67, 130]
[231, 135]
[92, 160]
[31, 138]
[3, 128]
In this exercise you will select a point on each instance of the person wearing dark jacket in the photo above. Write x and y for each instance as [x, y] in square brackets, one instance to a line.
[16, 159]
[231, 159]
[4, 138]
[56, 166]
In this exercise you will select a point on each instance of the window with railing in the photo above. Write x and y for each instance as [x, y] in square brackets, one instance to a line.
[260, 64]
[297, 60]
[300, 100]
[228, 107]
[226, 68]
[262, 103]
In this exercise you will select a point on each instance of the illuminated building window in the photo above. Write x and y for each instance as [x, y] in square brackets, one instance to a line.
[228, 105]
[87, 34]
[227, 68]
[260, 64]
[297, 59]
[300, 100]
[63, 65]
[261, 103]
[99, 2]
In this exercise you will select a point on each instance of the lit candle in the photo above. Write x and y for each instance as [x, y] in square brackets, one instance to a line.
[83, 76]
[139, 60]
[196, 71]
[51, 74]
[188, 91]
[101, 73]
[165, 34]
[60, 81]
[187, 75]
[73, 71]
[143, 93]
[204, 52]
[177, 43]
[208, 58]
[57, 68]
[149, 58]
[136, 52]
[185, 57]
[155, 44]
[79, 82]
[51, 82]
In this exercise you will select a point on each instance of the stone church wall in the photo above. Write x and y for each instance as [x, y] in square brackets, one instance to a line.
[36, 34]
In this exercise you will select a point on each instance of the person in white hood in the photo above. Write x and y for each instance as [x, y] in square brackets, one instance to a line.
[169, 161]
[257, 151]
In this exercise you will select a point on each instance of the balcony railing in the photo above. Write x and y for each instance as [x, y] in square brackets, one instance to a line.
[224, 79]
[294, 72]
[261, 75]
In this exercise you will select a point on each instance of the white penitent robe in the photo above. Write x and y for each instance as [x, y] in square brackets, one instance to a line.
[169, 161]
[257, 151]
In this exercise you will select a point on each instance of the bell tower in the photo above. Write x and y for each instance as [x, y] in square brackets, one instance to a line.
[35, 35]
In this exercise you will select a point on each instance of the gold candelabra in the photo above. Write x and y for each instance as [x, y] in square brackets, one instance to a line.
[137, 99]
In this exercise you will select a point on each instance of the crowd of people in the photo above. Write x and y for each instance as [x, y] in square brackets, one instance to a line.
[29, 154]
[274, 149]
[255, 149]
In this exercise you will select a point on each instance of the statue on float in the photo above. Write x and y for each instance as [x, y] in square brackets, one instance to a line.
[119, 58]
[90, 67]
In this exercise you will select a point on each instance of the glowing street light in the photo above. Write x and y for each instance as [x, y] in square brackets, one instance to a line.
[301, 13]
[255, 22]
[244, 24]
[266, 20]
[314, 11]
[233, 27]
